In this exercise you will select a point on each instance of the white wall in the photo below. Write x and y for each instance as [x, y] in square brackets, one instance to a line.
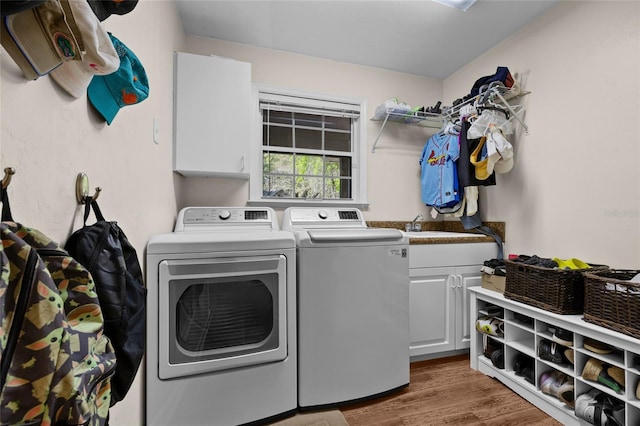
[394, 187]
[49, 137]
[575, 187]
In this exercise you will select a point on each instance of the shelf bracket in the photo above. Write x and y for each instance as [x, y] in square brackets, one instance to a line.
[373, 149]
[511, 110]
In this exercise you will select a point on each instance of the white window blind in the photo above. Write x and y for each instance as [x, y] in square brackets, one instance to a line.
[309, 149]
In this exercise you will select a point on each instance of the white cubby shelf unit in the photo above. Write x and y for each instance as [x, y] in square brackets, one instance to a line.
[523, 337]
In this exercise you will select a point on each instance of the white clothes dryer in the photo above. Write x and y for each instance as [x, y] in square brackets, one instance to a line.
[221, 324]
[353, 307]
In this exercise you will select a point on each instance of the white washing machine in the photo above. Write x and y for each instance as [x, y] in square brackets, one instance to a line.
[221, 325]
[353, 307]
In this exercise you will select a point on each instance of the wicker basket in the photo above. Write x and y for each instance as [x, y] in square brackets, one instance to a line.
[560, 291]
[612, 301]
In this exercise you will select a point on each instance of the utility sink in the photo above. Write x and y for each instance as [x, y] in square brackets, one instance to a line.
[442, 234]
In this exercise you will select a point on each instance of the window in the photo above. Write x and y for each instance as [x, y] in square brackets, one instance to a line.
[310, 149]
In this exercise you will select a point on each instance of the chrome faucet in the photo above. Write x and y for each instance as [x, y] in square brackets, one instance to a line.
[414, 226]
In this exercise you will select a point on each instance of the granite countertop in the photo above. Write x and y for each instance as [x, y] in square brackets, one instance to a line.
[447, 226]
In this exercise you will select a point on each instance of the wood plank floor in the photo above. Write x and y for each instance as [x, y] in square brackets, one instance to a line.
[447, 392]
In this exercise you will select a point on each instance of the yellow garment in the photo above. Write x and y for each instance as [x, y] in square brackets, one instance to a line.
[572, 263]
[480, 165]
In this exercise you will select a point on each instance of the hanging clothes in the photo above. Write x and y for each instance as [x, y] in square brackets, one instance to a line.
[466, 170]
[490, 118]
[439, 178]
[500, 152]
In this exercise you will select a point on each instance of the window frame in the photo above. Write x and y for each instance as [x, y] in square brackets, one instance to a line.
[316, 101]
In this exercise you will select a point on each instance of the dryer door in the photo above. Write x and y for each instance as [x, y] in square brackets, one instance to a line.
[221, 313]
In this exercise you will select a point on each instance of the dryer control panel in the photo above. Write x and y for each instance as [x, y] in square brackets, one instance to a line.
[199, 218]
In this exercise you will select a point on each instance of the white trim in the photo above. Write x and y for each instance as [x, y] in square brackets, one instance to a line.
[321, 101]
[291, 96]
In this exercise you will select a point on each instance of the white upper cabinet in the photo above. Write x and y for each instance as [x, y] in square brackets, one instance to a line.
[212, 108]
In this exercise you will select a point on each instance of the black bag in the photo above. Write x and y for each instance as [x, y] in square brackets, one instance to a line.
[105, 251]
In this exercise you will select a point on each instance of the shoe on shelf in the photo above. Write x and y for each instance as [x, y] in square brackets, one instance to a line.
[636, 362]
[568, 354]
[490, 325]
[566, 394]
[523, 319]
[596, 371]
[559, 385]
[497, 359]
[523, 367]
[562, 336]
[551, 351]
[495, 311]
[597, 408]
[490, 346]
[596, 346]
[617, 374]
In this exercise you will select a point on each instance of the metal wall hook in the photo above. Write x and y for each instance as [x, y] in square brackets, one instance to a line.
[8, 174]
[82, 189]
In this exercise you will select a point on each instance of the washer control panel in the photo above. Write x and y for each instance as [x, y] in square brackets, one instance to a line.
[322, 217]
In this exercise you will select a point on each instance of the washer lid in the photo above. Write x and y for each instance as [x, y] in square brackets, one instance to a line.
[319, 236]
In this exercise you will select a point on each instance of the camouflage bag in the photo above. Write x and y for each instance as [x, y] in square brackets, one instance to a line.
[56, 363]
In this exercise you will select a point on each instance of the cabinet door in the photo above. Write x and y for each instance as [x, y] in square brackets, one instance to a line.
[431, 316]
[212, 107]
[466, 276]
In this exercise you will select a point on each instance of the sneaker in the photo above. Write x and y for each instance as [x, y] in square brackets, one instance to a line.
[562, 336]
[600, 409]
[490, 325]
[550, 351]
[559, 385]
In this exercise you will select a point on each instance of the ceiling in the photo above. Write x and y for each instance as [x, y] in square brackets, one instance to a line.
[417, 37]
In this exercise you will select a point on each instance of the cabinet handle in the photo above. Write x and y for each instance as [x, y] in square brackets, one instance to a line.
[456, 281]
[242, 163]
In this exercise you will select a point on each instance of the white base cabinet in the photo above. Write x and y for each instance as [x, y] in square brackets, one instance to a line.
[212, 108]
[440, 275]
[524, 337]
